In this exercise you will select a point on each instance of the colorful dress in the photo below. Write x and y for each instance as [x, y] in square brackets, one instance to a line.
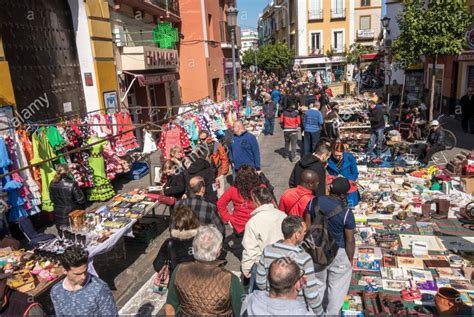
[102, 189]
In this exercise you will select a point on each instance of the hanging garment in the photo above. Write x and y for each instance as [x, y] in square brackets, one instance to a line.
[10, 186]
[149, 143]
[28, 150]
[114, 164]
[57, 143]
[102, 189]
[173, 136]
[42, 151]
[127, 141]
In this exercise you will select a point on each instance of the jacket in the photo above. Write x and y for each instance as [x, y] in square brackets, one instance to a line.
[242, 209]
[436, 137]
[244, 149]
[66, 197]
[290, 120]
[219, 158]
[294, 200]
[276, 96]
[312, 120]
[174, 186]
[311, 162]
[204, 288]
[348, 169]
[263, 228]
[467, 106]
[376, 118]
[269, 109]
[201, 167]
[176, 250]
[259, 303]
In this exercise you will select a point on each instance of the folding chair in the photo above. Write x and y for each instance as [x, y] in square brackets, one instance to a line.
[34, 238]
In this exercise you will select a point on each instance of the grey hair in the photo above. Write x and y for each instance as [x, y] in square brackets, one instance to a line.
[207, 243]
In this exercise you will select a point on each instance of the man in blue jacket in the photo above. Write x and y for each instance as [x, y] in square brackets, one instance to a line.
[244, 148]
[276, 97]
[312, 122]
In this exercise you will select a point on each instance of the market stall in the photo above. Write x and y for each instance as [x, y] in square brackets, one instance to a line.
[411, 243]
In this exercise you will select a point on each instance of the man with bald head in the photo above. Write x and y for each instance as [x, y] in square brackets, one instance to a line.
[244, 149]
[205, 210]
[285, 281]
[294, 200]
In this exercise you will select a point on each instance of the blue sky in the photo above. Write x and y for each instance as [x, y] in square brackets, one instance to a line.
[250, 9]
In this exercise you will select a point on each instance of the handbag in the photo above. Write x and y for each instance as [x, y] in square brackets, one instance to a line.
[162, 278]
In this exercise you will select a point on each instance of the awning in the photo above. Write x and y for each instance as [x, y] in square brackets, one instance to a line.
[371, 56]
[154, 78]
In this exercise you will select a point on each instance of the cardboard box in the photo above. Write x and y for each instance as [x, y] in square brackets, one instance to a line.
[467, 185]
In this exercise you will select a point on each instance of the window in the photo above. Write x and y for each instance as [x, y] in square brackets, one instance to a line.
[316, 46]
[338, 38]
[364, 22]
[338, 10]
[315, 12]
[365, 3]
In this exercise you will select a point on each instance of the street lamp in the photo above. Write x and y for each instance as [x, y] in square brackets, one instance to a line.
[388, 67]
[232, 13]
[385, 22]
[255, 49]
[284, 7]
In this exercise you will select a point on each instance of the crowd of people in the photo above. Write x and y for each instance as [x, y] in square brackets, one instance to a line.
[296, 251]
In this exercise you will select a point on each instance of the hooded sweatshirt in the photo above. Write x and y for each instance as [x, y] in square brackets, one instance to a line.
[201, 167]
[259, 303]
[311, 162]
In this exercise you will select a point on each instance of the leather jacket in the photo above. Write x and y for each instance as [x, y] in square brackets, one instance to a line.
[66, 197]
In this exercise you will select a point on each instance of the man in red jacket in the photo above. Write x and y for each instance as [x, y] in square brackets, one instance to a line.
[290, 122]
[294, 200]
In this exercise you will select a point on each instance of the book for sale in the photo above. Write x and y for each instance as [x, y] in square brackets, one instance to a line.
[353, 306]
[367, 259]
[468, 298]
[461, 285]
[370, 280]
[408, 262]
[389, 261]
[450, 273]
[427, 228]
[417, 275]
[436, 264]
[395, 285]
[443, 282]
[393, 274]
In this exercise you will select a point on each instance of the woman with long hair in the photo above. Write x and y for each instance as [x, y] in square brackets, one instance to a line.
[343, 163]
[174, 187]
[240, 196]
[178, 248]
[65, 195]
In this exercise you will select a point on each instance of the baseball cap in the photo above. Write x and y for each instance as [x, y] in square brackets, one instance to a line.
[341, 185]
[434, 123]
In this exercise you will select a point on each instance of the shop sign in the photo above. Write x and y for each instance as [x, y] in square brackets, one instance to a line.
[465, 57]
[156, 79]
[365, 34]
[165, 35]
[228, 65]
[161, 58]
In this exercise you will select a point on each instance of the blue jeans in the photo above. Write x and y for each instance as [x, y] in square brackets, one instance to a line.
[277, 106]
[311, 140]
[269, 126]
[253, 279]
[376, 140]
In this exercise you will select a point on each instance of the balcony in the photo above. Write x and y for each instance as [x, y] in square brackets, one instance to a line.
[169, 5]
[314, 51]
[315, 15]
[226, 35]
[338, 14]
[365, 35]
[168, 9]
[337, 50]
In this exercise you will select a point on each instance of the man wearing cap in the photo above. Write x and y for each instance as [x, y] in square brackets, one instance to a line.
[335, 278]
[269, 110]
[434, 143]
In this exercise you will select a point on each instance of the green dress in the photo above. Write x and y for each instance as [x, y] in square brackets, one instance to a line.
[102, 189]
[42, 151]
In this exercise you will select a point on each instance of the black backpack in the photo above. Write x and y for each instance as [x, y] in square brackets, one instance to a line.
[319, 242]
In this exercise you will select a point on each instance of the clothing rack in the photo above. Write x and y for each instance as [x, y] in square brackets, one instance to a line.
[141, 125]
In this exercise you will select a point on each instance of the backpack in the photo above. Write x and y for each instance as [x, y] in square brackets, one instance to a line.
[319, 243]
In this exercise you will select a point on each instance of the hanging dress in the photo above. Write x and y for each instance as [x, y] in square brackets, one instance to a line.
[42, 151]
[102, 189]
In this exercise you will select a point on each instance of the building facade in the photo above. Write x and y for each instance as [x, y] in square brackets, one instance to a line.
[249, 39]
[367, 15]
[146, 40]
[206, 50]
[273, 26]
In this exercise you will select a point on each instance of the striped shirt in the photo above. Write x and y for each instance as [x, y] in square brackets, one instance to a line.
[309, 293]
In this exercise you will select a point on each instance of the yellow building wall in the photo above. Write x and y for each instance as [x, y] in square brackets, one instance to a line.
[7, 95]
[102, 48]
[327, 25]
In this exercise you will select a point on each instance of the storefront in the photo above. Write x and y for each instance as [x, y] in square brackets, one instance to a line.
[332, 69]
